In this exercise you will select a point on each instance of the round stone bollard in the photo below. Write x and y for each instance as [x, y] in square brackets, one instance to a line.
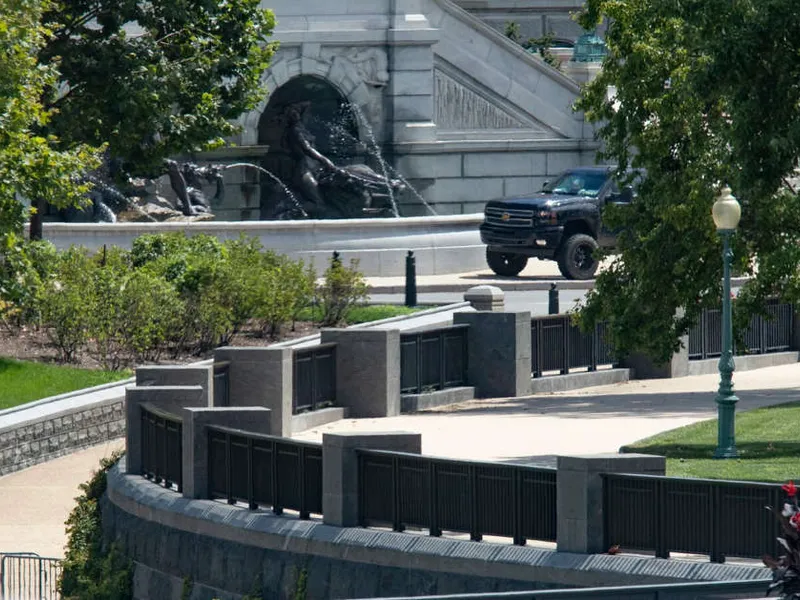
[486, 298]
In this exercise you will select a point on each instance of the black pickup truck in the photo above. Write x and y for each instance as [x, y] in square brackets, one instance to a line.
[562, 223]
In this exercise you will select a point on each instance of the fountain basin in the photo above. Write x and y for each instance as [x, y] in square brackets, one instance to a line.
[442, 244]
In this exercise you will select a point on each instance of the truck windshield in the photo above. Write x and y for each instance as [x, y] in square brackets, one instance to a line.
[578, 183]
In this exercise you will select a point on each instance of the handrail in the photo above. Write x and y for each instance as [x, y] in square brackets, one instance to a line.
[160, 412]
[262, 436]
[723, 482]
[657, 591]
[450, 460]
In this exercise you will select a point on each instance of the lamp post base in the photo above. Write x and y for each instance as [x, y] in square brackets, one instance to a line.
[726, 427]
[729, 452]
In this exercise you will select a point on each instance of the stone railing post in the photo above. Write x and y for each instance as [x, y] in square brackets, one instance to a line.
[643, 367]
[367, 370]
[169, 398]
[579, 496]
[499, 352]
[177, 375]
[340, 469]
[195, 439]
[261, 377]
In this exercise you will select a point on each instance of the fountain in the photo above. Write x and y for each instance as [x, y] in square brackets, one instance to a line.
[323, 185]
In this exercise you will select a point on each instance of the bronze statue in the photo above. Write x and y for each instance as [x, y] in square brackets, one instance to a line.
[299, 142]
[187, 179]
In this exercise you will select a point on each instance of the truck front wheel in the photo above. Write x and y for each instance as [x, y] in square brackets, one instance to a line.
[506, 265]
[576, 257]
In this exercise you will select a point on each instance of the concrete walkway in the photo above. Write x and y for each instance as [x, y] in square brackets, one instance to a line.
[35, 502]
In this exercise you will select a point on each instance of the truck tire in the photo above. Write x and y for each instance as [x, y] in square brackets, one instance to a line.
[506, 265]
[576, 257]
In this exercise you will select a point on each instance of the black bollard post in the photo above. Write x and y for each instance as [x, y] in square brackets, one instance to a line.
[552, 300]
[336, 258]
[411, 279]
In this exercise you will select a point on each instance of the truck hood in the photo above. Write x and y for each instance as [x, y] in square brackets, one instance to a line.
[538, 200]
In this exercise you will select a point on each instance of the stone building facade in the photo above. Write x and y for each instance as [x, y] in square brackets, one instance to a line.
[458, 110]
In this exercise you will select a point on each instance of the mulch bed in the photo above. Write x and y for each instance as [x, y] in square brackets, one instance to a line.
[33, 344]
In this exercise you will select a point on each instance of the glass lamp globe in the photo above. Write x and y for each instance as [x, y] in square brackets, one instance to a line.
[726, 211]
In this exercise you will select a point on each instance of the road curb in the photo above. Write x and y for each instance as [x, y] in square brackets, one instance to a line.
[507, 285]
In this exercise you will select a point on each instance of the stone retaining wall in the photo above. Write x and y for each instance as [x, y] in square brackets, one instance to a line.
[49, 437]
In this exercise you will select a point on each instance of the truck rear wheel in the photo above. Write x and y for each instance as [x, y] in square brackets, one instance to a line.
[576, 257]
[506, 265]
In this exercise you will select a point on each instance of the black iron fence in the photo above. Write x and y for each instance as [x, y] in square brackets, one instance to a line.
[222, 383]
[162, 445]
[435, 359]
[262, 470]
[28, 576]
[408, 490]
[559, 345]
[697, 516]
[772, 333]
[314, 378]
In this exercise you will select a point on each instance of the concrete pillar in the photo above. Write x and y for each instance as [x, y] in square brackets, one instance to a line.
[261, 377]
[181, 375]
[168, 398]
[367, 370]
[195, 439]
[643, 367]
[499, 352]
[411, 38]
[488, 298]
[340, 469]
[579, 496]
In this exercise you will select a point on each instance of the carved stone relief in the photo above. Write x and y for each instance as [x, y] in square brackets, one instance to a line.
[369, 65]
[458, 108]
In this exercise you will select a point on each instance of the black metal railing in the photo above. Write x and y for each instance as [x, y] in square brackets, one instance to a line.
[162, 446]
[772, 333]
[707, 590]
[28, 576]
[262, 470]
[697, 516]
[559, 345]
[222, 383]
[407, 490]
[314, 372]
[435, 359]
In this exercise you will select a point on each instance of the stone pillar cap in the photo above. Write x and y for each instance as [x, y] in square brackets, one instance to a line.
[484, 292]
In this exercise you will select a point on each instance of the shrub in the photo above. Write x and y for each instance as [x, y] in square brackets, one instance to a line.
[342, 289]
[68, 303]
[24, 271]
[93, 570]
[152, 312]
[285, 287]
[107, 320]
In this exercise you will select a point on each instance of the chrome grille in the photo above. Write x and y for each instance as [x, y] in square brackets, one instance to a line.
[508, 217]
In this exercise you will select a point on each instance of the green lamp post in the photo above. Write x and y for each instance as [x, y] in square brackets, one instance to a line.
[726, 213]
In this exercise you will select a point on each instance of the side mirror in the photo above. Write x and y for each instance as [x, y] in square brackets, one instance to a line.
[545, 184]
[627, 193]
[625, 196]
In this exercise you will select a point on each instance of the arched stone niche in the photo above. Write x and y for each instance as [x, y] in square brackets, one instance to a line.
[327, 116]
[359, 74]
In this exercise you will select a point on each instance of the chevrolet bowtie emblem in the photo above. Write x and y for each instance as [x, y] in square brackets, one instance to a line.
[506, 216]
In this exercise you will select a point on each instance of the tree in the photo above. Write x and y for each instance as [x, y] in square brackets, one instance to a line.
[705, 93]
[155, 79]
[32, 165]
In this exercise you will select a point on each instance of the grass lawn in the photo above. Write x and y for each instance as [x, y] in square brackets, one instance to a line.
[364, 314]
[23, 381]
[768, 440]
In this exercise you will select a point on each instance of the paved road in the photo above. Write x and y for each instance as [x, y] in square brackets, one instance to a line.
[533, 300]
